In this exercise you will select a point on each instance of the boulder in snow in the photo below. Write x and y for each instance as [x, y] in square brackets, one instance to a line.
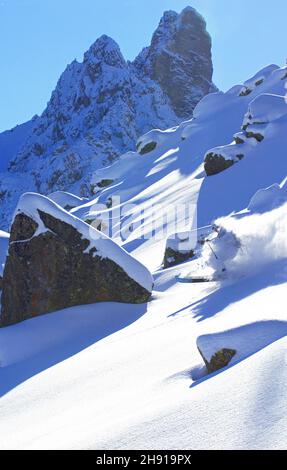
[56, 261]
[174, 257]
[254, 82]
[105, 183]
[218, 360]
[216, 163]
[220, 348]
[147, 148]
[181, 247]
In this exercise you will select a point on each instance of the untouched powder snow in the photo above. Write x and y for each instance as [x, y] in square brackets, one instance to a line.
[267, 108]
[269, 198]
[156, 391]
[245, 340]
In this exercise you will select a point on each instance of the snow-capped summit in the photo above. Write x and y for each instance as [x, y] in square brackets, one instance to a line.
[106, 50]
[101, 105]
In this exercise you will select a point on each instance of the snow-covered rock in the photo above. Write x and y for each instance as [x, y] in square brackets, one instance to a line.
[257, 79]
[66, 200]
[183, 246]
[229, 347]
[176, 254]
[266, 116]
[215, 161]
[56, 261]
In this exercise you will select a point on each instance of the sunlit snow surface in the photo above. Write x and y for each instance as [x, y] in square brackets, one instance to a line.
[111, 376]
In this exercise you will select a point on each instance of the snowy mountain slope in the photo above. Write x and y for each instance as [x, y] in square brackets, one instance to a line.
[173, 173]
[107, 376]
[101, 105]
[12, 141]
[269, 198]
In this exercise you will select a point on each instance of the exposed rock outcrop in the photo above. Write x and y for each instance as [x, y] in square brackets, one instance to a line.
[174, 257]
[179, 59]
[215, 163]
[219, 360]
[148, 148]
[56, 261]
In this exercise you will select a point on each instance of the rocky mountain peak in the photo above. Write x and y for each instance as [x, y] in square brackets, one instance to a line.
[179, 59]
[106, 50]
[165, 29]
[190, 15]
[101, 105]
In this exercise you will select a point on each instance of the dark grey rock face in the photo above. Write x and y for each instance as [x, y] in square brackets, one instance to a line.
[173, 257]
[215, 164]
[52, 271]
[179, 59]
[219, 360]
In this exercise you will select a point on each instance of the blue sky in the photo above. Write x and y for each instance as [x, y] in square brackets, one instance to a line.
[38, 38]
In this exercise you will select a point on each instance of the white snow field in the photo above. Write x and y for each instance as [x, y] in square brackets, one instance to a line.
[66, 200]
[117, 376]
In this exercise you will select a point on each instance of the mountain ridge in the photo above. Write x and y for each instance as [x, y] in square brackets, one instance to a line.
[101, 105]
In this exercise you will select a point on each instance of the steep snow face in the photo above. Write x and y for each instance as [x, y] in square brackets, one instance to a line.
[257, 79]
[264, 120]
[269, 198]
[167, 170]
[101, 106]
